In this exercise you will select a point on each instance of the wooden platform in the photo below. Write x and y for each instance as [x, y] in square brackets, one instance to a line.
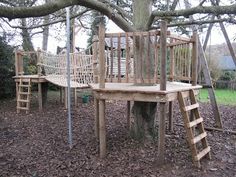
[61, 81]
[131, 92]
[34, 78]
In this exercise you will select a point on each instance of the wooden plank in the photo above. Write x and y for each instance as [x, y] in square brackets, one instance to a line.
[195, 122]
[112, 58]
[202, 153]
[101, 56]
[135, 59]
[119, 58]
[141, 57]
[148, 59]
[127, 62]
[123, 34]
[163, 55]
[102, 129]
[180, 38]
[155, 60]
[172, 62]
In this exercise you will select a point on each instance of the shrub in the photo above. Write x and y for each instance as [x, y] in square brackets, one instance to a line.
[7, 84]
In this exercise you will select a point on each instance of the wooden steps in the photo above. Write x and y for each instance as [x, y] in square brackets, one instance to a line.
[23, 95]
[193, 123]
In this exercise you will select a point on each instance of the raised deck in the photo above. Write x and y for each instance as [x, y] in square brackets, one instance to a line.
[132, 92]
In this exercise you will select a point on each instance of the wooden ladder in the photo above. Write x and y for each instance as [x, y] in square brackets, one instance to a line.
[23, 95]
[193, 123]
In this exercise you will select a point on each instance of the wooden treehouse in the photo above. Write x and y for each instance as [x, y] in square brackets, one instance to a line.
[50, 68]
[158, 67]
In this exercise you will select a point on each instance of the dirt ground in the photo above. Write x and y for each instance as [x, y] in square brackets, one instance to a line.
[37, 144]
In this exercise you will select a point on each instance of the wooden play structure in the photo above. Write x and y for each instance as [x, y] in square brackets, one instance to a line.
[164, 69]
[50, 68]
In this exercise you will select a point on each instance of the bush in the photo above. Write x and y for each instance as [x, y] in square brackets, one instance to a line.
[228, 76]
[7, 84]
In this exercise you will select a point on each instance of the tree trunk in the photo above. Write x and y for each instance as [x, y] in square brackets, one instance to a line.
[144, 112]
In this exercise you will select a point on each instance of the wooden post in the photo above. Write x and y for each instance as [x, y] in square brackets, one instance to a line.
[161, 140]
[128, 115]
[194, 58]
[101, 56]
[102, 128]
[75, 95]
[171, 116]
[40, 98]
[163, 54]
[96, 120]
[161, 133]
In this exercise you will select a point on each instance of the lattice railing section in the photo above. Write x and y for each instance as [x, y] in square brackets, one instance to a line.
[135, 57]
[81, 69]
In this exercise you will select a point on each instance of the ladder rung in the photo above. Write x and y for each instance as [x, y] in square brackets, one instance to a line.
[191, 107]
[195, 122]
[202, 153]
[25, 101]
[23, 108]
[198, 138]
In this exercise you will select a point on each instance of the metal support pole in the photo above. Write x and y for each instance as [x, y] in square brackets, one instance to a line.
[68, 75]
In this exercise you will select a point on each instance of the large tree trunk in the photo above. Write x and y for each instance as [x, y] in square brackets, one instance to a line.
[144, 112]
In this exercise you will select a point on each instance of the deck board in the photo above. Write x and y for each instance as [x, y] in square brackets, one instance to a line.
[130, 87]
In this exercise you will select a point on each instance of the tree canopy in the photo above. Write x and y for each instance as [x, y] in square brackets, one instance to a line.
[121, 11]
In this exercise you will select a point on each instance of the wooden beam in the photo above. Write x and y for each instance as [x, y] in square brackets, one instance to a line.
[208, 33]
[208, 81]
[231, 50]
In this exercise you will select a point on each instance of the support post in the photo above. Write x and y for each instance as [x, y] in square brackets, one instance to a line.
[128, 115]
[40, 98]
[171, 116]
[96, 120]
[102, 129]
[163, 48]
[163, 54]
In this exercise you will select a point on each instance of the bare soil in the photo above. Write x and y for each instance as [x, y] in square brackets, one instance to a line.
[36, 144]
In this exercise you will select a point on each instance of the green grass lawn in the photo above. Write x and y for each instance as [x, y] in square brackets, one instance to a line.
[223, 96]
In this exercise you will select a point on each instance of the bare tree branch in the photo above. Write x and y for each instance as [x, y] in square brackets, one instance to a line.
[46, 24]
[194, 22]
